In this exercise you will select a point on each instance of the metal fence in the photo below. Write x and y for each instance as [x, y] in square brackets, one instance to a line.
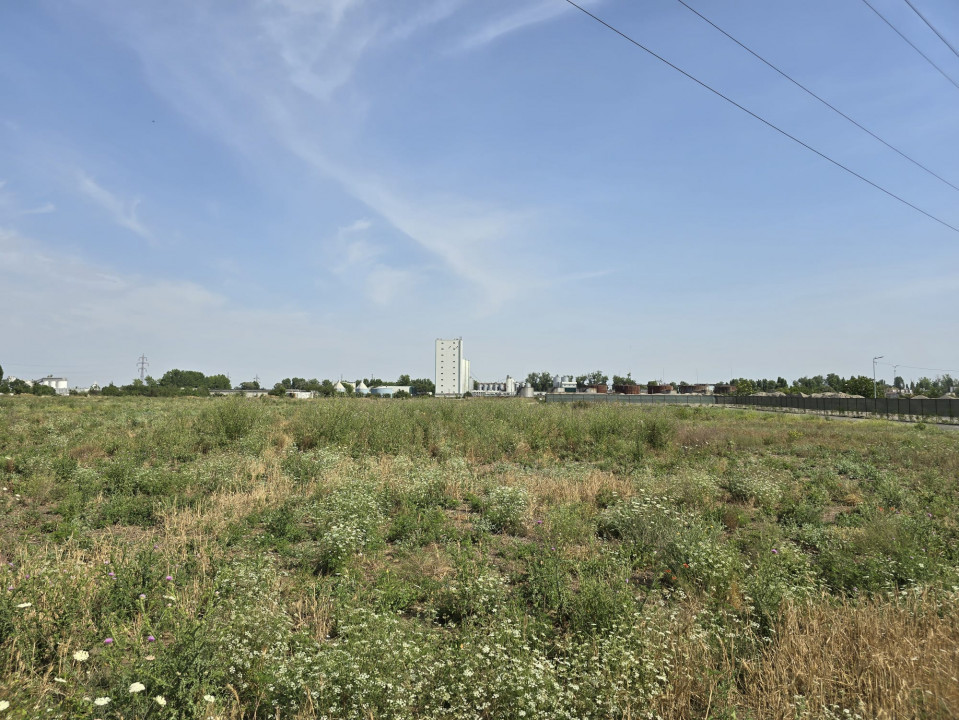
[635, 399]
[928, 408]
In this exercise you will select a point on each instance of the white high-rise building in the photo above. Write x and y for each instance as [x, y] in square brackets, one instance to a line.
[452, 369]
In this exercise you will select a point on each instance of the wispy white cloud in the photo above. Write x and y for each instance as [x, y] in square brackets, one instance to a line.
[47, 207]
[357, 259]
[62, 300]
[282, 83]
[10, 206]
[527, 15]
[122, 213]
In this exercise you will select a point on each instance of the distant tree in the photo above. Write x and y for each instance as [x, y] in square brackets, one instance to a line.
[924, 386]
[404, 380]
[279, 389]
[540, 382]
[137, 387]
[1, 373]
[781, 383]
[594, 378]
[627, 380]
[834, 382]
[401, 394]
[18, 386]
[861, 385]
[476, 385]
[423, 386]
[374, 382]
[744, 386]
[816, 384]
[597, 377]
[899, 383]
[249, 385]
[216, 382]
[188, 379]
[41, 389]
[110, 390]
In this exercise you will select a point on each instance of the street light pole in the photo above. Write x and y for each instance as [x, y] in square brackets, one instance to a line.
[875, 392]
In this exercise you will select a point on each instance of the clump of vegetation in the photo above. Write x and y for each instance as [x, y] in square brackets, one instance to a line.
[196, 558]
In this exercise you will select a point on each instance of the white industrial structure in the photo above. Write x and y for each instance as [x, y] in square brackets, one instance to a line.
[57, 383]
[494, 389]
[564, 383]
[390, 390]
[452, 369]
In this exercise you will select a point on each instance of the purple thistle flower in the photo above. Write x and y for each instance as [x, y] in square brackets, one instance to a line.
[142, 596]
[775, 551]
[169, 577]
[108, 641]
[150, 638]
[112, 574]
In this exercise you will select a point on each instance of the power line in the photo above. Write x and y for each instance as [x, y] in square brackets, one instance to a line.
[933, 28]
[916, 367]
[817, 97]
[912, 44]
[763, 120]
[143, 364]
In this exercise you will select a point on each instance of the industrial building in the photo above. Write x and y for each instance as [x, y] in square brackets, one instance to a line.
[57, 383]
[452, 369]
[495, 389]
[564, 383]
[390, 390]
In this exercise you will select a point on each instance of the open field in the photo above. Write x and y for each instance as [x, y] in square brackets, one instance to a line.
[472, 559]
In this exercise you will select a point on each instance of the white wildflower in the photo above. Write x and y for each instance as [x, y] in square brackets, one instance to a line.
[137, 687]
[81, 655]
[24, 605]
[209, 698]
[160, 700]
[101, 701]
[4, 704]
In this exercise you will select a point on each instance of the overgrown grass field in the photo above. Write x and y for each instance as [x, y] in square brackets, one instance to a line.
[215, 558]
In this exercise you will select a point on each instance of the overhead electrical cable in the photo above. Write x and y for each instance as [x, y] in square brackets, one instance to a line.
[933, 28]
[817, 97]
[912, 45]
[916, 367]
[763, 120]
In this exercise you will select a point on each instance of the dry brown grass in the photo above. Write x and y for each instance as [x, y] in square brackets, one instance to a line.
[887, 659]
[880, 659]
[547, 489]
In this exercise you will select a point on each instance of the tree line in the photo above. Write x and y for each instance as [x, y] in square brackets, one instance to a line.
[853, 385]
[178, 382]
[419, 386]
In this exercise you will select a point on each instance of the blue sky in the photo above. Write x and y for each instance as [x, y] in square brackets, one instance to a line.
[321, 188]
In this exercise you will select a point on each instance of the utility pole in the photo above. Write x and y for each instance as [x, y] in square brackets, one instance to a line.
[143, 364]
[875, 392]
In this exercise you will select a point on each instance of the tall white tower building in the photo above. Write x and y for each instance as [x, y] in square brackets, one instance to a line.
[452, 369]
